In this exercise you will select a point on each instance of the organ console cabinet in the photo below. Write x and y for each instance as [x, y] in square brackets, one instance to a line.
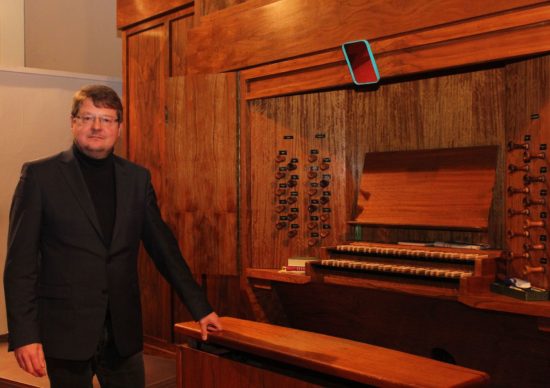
[246, 115]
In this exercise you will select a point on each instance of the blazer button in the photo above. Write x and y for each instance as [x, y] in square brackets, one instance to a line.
[104, 292]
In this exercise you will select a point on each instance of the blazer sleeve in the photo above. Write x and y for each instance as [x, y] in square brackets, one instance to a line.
[22, 261]
[162, 246]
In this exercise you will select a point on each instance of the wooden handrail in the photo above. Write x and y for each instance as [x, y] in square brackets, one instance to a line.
[339, 357]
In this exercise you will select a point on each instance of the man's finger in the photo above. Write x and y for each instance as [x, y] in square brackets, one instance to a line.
[38, 366]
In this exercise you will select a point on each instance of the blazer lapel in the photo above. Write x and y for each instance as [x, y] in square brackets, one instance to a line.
[123, 188]
[75, 180]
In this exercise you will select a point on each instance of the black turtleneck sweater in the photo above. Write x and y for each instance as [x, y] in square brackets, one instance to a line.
[99, 175]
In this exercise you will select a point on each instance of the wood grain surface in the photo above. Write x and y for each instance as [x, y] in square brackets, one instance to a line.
[351, 360]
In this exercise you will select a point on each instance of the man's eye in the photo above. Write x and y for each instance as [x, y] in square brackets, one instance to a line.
[88, 119]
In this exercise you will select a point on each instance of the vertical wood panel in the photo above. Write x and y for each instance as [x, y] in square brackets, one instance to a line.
[201, 170]
[178, 43]
[133, 11]
[145, 130]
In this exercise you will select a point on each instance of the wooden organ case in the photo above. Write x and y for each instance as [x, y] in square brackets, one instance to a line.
[432, 189]
[475, 76]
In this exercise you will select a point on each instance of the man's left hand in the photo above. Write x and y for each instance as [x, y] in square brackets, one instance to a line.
[209, 323]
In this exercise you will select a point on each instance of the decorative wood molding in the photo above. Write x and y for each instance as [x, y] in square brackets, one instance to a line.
[493, 38]
[130, 12]
[292, 28]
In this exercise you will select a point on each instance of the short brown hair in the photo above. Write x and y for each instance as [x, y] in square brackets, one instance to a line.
[102, 96]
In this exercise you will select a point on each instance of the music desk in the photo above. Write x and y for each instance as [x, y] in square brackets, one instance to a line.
[251, 354]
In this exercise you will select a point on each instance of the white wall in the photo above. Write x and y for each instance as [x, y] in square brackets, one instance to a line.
[34, 111]
[12, 27]
[73, 35]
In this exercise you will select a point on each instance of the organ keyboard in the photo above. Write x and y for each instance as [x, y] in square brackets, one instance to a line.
[466, 270]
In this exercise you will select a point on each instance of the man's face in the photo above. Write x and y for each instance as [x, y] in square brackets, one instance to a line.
[95, 130]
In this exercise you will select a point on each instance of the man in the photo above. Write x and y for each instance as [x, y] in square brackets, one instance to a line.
[71, 279]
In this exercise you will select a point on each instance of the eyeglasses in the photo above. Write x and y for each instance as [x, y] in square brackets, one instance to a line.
[89, 120]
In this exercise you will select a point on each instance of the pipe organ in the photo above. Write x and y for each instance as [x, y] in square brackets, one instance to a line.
[264, 152]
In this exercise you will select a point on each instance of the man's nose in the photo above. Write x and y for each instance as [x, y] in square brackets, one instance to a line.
[96, 123]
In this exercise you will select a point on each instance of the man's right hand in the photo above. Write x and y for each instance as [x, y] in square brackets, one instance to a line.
[31, 359]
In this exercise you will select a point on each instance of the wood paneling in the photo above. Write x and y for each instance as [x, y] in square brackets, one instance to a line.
[145, 132]
[134, 11]
[205, 7]
[491, 38]
[291, 28]
[164, 118]
[200, 170]
[178, 42]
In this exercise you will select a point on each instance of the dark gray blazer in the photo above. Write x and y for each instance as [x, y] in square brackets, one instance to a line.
[59, 275]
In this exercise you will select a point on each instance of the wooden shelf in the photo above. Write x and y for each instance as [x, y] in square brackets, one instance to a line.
[488, 301]
[276, 276]
[496, 302]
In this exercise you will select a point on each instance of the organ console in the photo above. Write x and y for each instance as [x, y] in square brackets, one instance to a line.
[447, 189]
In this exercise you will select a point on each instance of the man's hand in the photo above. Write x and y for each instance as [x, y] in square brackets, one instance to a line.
[31, 359]
[211, 322]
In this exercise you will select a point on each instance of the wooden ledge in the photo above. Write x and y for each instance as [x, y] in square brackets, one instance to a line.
[496, 302]
[351, 360]
[275, 275]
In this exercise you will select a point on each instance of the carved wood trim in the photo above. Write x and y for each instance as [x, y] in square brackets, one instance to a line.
[493, 38]
[292, 28]
[130, 12]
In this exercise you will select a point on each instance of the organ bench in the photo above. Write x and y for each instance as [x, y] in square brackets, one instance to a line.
[250, 354]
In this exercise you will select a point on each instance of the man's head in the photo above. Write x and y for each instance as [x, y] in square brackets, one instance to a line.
[96, 119]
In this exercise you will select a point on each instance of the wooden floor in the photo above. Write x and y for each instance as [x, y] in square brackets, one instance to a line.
[159, 372]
